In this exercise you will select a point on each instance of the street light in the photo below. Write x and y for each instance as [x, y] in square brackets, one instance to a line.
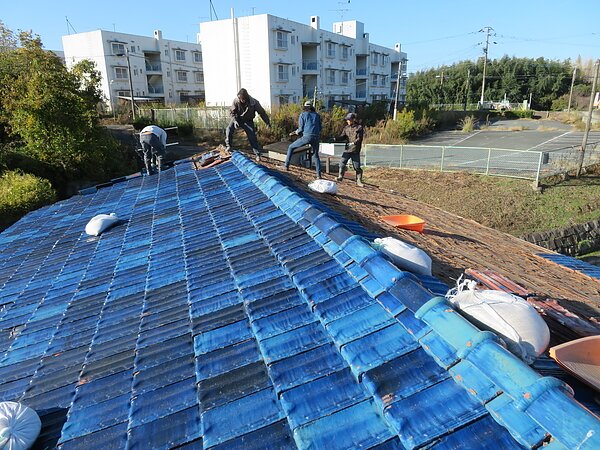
[126, 54]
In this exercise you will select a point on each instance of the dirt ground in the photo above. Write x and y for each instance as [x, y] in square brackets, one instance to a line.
[455, 243]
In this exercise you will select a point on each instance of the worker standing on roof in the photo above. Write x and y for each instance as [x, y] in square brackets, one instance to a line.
[154, 143]
[309, 128]
[353, 135]
[242, 112]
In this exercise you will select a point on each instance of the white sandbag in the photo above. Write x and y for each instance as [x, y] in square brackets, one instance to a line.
[323, 186]
[100, 223]
[19, 426]
[523, 330]
[404, 256]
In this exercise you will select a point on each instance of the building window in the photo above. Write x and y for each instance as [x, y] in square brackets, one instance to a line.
[282, 42]
[167, 52]
[199, 77]
[331, 49]
[118, 49]
[344, 77]
[330, 74]
[182, 76]
[121, 73]
[282, 72]
[133, 49]
[383, 80]
[284, 99]
[375, 58]
[374, 79]
[344, 52]
[179, 55]
[197, 57]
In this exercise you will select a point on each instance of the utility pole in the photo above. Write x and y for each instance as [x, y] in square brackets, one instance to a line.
[130, 85]
[315, 97]
[571, 91]
[467, 89]
[487, 31]
[397, 90]
[589, 119]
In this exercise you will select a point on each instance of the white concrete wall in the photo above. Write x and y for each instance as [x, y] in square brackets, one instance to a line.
[259, 57]
[97, 46]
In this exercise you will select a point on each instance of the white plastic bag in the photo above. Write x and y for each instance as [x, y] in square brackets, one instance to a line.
[523, 330]
[100, 223]
[323, 186]
[19, 426]
[404, 256]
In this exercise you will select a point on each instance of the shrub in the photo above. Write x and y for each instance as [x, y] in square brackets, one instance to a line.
[518, 114]
[399, 130]
[467, 124]
[21, 193]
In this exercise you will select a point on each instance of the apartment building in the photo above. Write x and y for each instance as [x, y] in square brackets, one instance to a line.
[281, 61]
[161, 69]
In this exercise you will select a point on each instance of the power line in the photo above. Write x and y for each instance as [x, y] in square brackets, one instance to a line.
[439, 39]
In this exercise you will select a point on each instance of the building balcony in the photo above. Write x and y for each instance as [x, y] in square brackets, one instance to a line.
[361, 73]
[156, 67]
[310, 64]
[156, 90]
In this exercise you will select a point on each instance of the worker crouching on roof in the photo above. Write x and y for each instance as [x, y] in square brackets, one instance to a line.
[242, 112]
[309, 128]
[353, 135]
[154, 143]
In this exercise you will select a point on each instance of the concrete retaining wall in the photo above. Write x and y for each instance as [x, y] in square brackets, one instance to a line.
[572, 241]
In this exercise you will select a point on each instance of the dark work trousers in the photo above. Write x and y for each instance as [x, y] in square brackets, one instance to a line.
[248, 127]
[311, 139]
[355, 157]
[152, 146]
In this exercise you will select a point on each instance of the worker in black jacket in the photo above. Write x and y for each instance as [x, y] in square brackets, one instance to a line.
[242, 112]
[353, 134]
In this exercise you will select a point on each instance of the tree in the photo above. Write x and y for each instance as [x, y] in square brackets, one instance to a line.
[517, 78]
[52, 111]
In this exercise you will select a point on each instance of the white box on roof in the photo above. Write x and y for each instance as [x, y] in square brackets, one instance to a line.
[332, 149]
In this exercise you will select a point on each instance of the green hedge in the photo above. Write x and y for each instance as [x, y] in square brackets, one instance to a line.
[21, 193]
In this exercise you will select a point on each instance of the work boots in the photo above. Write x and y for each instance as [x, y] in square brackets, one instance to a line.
[340, 176]
[359, 180]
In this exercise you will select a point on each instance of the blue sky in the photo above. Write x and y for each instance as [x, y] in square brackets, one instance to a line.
[432, 32]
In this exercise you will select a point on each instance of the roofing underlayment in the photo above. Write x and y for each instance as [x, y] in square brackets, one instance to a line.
[230, 311]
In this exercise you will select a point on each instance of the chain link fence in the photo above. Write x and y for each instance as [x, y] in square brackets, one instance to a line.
[530, 165]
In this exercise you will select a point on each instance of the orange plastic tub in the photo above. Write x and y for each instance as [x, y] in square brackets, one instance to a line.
[581, 357]
[405, 221]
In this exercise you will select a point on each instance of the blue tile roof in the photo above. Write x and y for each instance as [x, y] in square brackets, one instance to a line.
[575, 264]
[231, 311]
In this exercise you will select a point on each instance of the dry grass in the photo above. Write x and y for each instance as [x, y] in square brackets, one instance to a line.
[505, 204]
[500, 128]
[467, 124]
